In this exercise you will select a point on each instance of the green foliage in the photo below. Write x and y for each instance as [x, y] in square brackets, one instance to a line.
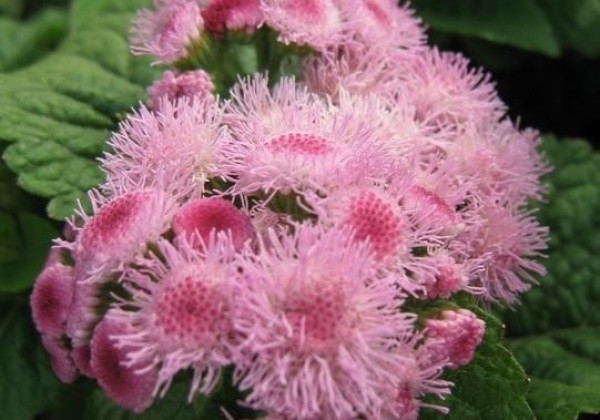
[556, 331]
[542, 26]
[22, 43]
[493, 386]
[27, 385]
[33, 237]
[59, 112]
[576, 24]
[520, 23]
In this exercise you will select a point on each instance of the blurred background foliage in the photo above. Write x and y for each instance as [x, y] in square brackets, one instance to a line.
[545, 58]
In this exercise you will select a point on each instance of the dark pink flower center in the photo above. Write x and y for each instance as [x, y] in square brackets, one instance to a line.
[300, 144]
[319, 316]
[374, 220]
[189, 311]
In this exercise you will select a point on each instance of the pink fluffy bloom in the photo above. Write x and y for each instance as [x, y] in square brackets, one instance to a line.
[502, 161]
[168, 31]
[125, 385]
[446, 276]
[382, 24]
[453, 338]
[180, 309]
[50, 299]
[174, 85]
[316, 328]
[448, 94]
[176, 149]
[120, 229]
[510, 243]
[374, 214]
[198, 219]
[419, 377]
[60, 359]
[232, 15]
[289, 140]
[316, 23]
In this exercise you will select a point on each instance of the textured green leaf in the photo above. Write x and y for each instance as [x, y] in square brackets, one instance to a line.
[493, 386]
[59, 112]
[27, 384]
[19, 273]
[519, 23]
[21, 43]
[576, 23]
[555, 333]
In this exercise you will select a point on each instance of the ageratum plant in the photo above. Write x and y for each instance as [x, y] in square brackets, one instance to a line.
[311, 231]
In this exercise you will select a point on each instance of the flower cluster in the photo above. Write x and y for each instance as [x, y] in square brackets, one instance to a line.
[281, 234]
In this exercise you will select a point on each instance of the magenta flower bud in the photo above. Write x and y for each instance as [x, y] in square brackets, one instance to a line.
[125, 385]
[198, 219]
[50, 299]
[454, 337]
[173, 85]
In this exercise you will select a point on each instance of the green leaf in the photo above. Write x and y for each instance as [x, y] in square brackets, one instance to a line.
[576, 23]
[21, 43]
[27, 384]
[555, 333]
[519, 23]
[11, 243]
[19, 273]
[59, 112]
[493, 386]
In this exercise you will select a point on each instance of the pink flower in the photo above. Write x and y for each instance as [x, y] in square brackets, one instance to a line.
[176, 149]
[180, 303]
[232, 15]
[447, 277]
[290, 141]
[382, 24]
[174, 85]
[50, 299]
[120, 229]
[503, 162]
[419, 377]
[198, 219]
[317, 330]
[453, 337]
[509, 243]
[119, 232]
[127, 386]
[316, 23]
[168, 31]
[447, 93]
[60, 359]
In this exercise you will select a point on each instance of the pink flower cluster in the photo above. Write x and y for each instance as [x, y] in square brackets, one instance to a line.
[284, 231]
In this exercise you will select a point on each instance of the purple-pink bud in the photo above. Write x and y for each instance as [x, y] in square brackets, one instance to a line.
[198, 219]
[50, 300]
[123, 384]
[454, 337]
